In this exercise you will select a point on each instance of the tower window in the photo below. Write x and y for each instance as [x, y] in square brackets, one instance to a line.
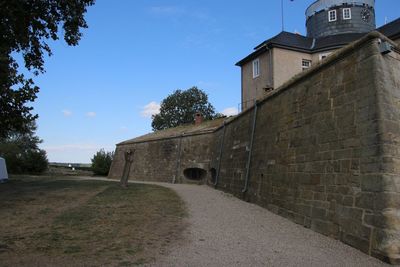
[305, 64]
[256, 68]
[332, 15]
[346, 13]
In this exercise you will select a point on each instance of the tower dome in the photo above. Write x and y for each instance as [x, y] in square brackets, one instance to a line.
[330, 17]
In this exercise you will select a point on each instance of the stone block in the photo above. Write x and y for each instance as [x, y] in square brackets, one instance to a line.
[356, 242]
[348, 201]
[298, 218]
[344, 190]
[320, 196]
[325, 227]
[343, 154]
[377, 183]
[273, 208]
[345, 166]
[365, 200]
[319, 213]
[307, 194]
[303, 209]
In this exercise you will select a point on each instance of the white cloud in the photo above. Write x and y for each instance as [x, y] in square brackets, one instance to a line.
[123, 128]
[67, 113]
[75, 147]
[167, 10]
[91, 114]
[74, 153]
[150, 109]
[232, 111]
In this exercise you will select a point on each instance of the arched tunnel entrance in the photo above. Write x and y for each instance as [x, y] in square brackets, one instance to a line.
[195, 174]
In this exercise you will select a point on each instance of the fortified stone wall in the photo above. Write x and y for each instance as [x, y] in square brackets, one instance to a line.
[165, 160]
[322, 151]
[326, 150]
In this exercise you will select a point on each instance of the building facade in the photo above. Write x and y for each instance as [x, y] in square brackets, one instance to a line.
[331, 24]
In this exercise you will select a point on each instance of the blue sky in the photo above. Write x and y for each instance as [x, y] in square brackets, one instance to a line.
[135, 53]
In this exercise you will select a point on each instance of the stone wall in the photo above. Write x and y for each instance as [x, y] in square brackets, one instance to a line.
[325, 151]
[165, 160]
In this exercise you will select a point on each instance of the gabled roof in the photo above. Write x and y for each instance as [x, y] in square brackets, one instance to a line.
[297, 42]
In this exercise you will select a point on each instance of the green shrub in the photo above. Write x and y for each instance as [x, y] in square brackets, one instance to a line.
[35, 161]
[23, 161]
[101, 162]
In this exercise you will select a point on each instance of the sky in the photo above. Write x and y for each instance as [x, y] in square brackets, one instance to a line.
[135, 53]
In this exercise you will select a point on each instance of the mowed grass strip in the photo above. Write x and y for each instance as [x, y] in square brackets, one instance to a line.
[55, 222]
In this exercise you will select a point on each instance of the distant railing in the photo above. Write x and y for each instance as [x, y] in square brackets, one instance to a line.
[325, 4]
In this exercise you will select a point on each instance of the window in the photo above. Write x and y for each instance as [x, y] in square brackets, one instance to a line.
[346, 13]
[324, 55]
[332, 15]
[305, 64]
[256, 68]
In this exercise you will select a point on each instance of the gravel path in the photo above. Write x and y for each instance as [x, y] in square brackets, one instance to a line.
[225, 231]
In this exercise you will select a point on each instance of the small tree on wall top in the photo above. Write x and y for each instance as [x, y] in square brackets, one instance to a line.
[180, 108]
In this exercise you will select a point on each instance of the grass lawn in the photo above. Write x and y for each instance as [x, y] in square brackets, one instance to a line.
[65, 222]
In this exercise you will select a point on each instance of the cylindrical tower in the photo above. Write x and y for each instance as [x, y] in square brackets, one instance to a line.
[330, 17]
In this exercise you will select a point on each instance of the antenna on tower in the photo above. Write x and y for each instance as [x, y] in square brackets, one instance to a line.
[283, 19]
[283, 14]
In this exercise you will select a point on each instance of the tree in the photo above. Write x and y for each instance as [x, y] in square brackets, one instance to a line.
[21, 152]
[25, 26]
[180, 108]
[101, 162]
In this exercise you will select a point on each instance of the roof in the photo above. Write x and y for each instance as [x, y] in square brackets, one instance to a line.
[391, 30]
[187, 130]
[284, 39]
[288, 39]
[334, 41]
[297, 42]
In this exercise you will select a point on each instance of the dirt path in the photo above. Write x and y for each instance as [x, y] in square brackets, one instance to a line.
[225, 231]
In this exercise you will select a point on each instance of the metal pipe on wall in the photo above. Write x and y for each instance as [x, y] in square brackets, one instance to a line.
[246, 185]
[220, 155]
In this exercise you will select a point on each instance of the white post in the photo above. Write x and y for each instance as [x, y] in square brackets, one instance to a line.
[3, 171]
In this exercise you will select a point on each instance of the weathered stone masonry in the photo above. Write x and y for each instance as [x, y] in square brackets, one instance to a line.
[164, 159]
[324, 152]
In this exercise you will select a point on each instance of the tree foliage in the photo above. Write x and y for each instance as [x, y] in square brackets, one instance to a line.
[101, 162]
[21, 152]
[180, 108]
[25, 28]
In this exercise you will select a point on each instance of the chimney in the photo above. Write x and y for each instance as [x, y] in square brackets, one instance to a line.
[198, 118]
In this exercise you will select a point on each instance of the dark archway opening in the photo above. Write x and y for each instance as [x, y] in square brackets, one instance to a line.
[213, 173]
[195, 173]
